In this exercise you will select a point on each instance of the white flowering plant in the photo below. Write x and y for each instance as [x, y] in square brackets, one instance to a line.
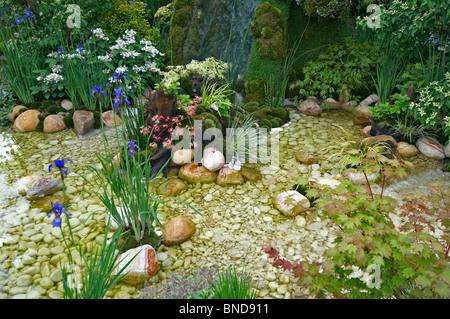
[129, 54]
[432, 108]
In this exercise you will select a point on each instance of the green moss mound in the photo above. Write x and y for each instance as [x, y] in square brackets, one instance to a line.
[269, 31]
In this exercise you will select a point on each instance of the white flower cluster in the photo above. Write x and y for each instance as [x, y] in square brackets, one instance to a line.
[99, 34]
[431, 102]
[128, 38]
[53, 54]
[149, 48]
[210, 68]
[149, 66]
[70, 56]
[129, 54]
[53, 78]
[105, 58]
[57, 68]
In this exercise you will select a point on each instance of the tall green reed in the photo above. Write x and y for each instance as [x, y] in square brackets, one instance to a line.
[437, 63]
[80, 76]
[21, 60]
[100, 268]
[388, 72]
[276, 86]
[125, 183]
[229, 284]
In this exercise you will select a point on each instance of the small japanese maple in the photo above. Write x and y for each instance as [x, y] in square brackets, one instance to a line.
[411, 261]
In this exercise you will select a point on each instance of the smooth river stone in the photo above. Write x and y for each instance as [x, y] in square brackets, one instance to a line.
[431, 148]
[144, 264]
[193, 173]
[177, 230]
[172, 188]
[228, 176]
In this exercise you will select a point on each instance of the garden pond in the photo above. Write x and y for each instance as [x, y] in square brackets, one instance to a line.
[235, 221]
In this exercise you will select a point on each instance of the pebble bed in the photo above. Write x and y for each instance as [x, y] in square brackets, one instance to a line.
[235, 221]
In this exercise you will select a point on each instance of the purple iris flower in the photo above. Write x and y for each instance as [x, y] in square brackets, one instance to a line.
[119, 75]
[58, 209]
[131, 146]
[60, 49]
[434, 38]
[80, 47]
[29, 14]
[18, 21]
[119, 95]
[60, 165]
[97, 89]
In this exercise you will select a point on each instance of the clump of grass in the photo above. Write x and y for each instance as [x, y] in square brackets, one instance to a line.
[99, 265]
[231, 285]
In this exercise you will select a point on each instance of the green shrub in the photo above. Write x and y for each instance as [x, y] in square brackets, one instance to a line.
[281, 113]
[349, 64]
[128, 16]
[326, 8]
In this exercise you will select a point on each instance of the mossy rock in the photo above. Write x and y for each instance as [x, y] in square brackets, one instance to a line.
[259, 116]
[254, 91]
[281, 113]
[68, 119]
[209, 116]
[50, 107]
[266, 110]
[97, 119]
[251, 106]
[269, 31]
[276, 122]
[266, 123]
[208, 123]
[32, 105]
[186, 83]
[40, 126]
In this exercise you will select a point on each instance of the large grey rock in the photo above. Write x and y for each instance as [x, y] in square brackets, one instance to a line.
[44, 186]
[310, 107]
[431, 148]
[83, 121]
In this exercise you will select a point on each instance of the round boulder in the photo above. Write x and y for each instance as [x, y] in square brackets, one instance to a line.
[407, 150]
[27, 121]
[111, 119]
[172, 188]
[144, 264]
[309, 107]
[43, 186]
[305, 158]
[15, 112]
[193, 173]
[177, 230]
[183, 156]
[250, 174]
[431, 148]
[53, 123]
[228, 176]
